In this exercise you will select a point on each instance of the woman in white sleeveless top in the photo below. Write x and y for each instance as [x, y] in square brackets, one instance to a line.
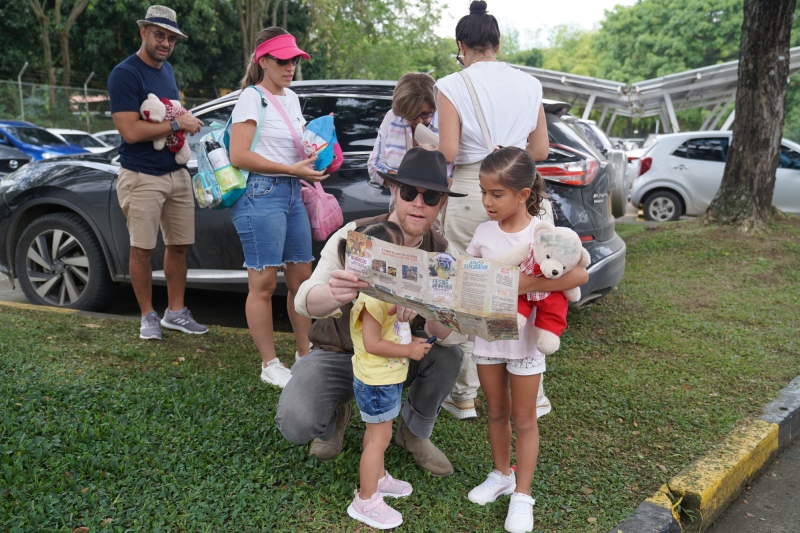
[511, 104]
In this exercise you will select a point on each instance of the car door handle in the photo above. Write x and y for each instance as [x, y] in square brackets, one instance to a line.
[679, 167]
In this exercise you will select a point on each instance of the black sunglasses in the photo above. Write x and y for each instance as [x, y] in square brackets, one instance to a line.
[284, 62]
[458, 58]
[431, 198]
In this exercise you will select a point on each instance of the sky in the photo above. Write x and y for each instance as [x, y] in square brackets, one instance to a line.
[532, 19]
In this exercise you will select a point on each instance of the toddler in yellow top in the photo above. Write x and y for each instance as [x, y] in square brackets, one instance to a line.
[382, 347]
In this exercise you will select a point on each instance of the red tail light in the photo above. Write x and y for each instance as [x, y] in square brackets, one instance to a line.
[568, 166]
[632, 158]
[645, 164]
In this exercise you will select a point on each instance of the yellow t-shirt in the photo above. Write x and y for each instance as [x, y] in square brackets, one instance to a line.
[372, 369]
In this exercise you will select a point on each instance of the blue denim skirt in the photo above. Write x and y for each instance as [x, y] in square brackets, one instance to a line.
[377, 403]
[272, 222]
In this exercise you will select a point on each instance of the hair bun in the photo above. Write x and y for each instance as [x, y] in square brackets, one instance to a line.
[478, 7]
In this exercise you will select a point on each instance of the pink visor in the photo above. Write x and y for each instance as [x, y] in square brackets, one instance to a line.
[280, 47]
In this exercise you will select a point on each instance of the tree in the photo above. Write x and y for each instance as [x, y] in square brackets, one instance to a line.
[744, 198]
[572, 50]
[62, 28]
[654, 38]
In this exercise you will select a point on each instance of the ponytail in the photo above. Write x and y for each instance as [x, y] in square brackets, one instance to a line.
[253, 71]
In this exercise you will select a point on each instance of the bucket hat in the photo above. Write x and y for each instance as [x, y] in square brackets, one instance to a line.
[161, 16]
[426, 169]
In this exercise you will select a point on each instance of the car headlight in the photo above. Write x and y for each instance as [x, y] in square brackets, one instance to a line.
[48, 155]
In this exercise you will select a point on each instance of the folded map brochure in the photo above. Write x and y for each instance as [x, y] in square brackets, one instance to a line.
[467, 294]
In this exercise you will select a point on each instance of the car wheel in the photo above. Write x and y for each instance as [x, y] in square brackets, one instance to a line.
[662, 206]
[59, 263]
[621, 188]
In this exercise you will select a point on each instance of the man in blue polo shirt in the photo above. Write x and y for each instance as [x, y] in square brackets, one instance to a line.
[153, 189]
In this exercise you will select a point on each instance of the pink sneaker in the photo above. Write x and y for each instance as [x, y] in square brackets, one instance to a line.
[374, 512]
[394, 488]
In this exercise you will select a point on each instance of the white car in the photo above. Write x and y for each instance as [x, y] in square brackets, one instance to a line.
[80, 138]
[681, 172]
[110, 137]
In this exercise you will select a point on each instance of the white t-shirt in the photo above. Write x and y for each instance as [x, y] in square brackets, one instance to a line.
[510, 101]
[275, 141]
[490, 242]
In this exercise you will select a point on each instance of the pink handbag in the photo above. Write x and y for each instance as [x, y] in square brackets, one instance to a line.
[324, 211]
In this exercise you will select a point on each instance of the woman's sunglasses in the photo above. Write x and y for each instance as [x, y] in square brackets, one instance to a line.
[431, 198]
[284, 62]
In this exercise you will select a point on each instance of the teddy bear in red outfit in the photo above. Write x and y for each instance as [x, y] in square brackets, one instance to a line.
[554, 251]
[155, 109]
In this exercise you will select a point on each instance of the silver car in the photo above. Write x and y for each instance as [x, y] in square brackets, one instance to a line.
[681, 173]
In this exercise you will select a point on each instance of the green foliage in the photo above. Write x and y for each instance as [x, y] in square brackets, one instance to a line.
[103, 430]
[572, 50]
[653, 38]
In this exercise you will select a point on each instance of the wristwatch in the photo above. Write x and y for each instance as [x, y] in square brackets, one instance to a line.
[175, 126]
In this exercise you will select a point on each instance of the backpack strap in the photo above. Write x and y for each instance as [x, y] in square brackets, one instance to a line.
[226, 135]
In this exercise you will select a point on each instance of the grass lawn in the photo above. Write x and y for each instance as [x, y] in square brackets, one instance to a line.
[102, 430]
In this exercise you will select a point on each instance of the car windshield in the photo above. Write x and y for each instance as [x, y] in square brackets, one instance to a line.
[82, 139]
[35, 136]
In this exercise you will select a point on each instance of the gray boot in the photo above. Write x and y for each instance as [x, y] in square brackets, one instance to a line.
[426, 455]
[328, 449]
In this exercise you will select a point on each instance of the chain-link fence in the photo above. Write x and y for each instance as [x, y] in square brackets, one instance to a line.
[61, 107]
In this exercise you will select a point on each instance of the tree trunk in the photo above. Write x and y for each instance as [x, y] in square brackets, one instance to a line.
[745, 195]
[44, 26]
[63, 37]
[251, 14]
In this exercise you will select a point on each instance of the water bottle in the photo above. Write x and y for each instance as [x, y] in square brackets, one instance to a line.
[227, 175]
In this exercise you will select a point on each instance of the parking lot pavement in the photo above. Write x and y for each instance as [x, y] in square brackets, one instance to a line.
[213, 308]
[769, 503]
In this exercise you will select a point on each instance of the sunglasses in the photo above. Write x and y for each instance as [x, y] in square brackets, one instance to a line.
[160, 36]
[431, 198]
[284, 62]
[458, 58]
[422, 116]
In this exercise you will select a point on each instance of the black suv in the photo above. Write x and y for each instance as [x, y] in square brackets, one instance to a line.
[63, 234]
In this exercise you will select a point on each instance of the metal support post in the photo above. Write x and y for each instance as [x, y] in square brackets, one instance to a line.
[728, 121]
[86, 101]
[19, 84]
[671, 112]
[588, 108]
[602, 117]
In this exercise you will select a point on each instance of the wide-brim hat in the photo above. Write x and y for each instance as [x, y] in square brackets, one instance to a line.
[426, 169]
[161, 16]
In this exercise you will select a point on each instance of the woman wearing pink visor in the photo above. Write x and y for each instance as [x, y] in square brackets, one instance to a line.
[270, 217]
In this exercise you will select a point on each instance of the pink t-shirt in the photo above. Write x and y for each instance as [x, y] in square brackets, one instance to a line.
[490, 242]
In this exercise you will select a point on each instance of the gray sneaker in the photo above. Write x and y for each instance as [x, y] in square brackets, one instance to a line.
[149, 328]
[182, 321]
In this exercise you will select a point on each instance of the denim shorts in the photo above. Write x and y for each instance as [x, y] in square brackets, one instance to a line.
[377, 403]
[272, 222]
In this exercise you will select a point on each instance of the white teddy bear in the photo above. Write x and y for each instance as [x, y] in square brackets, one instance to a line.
[155, 109]
[554, 251]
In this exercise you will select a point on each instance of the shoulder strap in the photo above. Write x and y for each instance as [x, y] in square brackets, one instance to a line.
[278, 107]
[474, 97]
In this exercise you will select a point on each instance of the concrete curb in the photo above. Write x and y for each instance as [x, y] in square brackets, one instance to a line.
[709, 485]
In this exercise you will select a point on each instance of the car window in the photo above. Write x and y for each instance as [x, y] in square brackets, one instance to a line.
[709, 149]
[218, 115]
[560, 132]
[35, 136]
[357, 120]
[85, 141]
[589, 133]
[788, 158]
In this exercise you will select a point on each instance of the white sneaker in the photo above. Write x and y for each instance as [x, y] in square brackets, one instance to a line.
[520, 514]
[496, 484]
[275, 373]
[542, 406]
[461, 410]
